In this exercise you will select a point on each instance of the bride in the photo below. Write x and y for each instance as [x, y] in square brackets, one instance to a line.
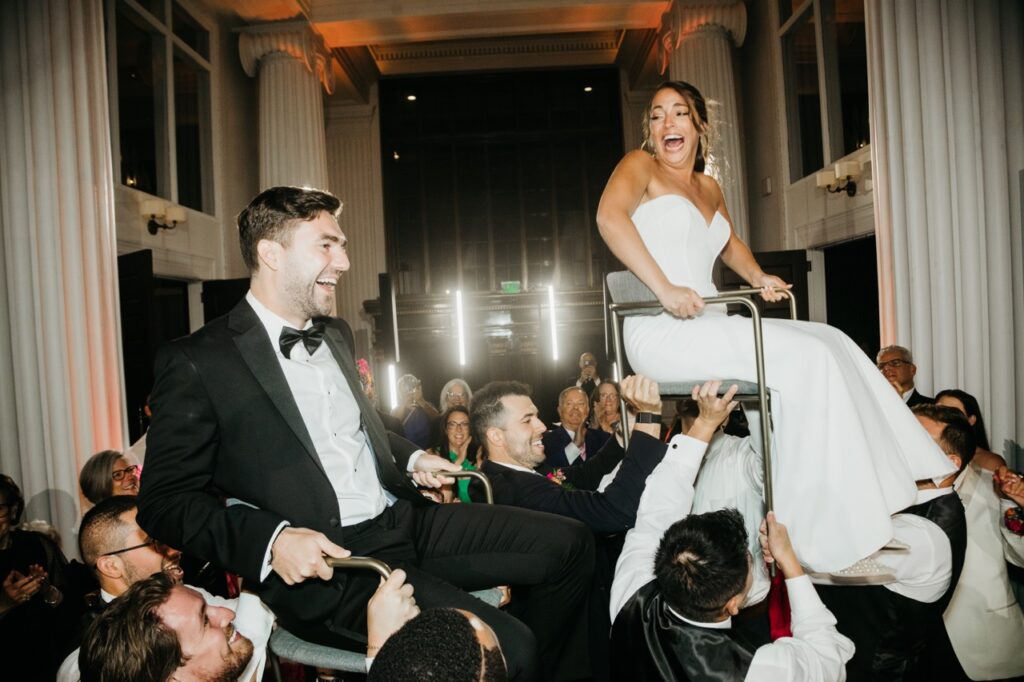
[847, 452]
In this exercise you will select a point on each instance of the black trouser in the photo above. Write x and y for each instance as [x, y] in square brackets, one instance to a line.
[446, 547]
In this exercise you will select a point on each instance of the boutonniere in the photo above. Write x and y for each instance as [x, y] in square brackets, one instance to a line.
[558, 478]
[1014, 519]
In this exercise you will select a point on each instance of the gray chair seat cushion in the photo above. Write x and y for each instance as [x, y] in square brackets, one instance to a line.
[685, 388]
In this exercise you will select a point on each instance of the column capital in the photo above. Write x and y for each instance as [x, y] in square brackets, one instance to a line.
[291, 39]
[686, 17]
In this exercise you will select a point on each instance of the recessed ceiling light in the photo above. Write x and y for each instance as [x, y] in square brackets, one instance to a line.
[411, 98]
[587, 88]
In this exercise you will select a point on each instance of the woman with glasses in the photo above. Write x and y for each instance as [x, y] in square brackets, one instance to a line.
[39, 605]
[108, 473]
[457, 443]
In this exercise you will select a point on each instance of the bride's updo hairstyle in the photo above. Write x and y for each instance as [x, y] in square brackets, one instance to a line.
[698, 114]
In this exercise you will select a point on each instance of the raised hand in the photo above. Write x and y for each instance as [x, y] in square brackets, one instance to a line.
[714, 409]
[20, 588]
[298, 554]
[681, 301]
[390, 607]
[1009, 484]
[777, 548]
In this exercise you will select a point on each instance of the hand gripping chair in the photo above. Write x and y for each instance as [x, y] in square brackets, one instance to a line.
[283, 644]
[626, 295]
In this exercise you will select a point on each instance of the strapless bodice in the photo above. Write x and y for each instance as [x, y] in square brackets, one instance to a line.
[683, 244]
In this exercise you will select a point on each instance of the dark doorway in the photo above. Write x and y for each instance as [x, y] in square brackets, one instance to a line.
[221, 295]
[851, 291]
[154, 310]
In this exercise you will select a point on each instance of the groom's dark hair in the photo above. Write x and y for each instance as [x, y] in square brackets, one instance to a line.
[272, 214]
[702, 563]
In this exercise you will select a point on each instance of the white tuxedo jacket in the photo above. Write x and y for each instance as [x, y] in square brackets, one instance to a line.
[984, 621]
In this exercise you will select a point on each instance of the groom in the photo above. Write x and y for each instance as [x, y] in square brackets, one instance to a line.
[264, 406]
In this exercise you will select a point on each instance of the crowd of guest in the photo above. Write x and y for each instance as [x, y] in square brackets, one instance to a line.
[679, 528]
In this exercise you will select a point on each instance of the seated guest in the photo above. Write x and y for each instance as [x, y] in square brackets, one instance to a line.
[108, 473]
[456, 444]
[984, 622]
[681, 578]
[414, 411]
[505, 420]
[967, 404]
[159, 630]
[571, 442]
[39, 600]
[441, 644]
[897, 366]
[604, 407]
[455, 393]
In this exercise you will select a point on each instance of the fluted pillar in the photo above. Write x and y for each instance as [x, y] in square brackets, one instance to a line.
[354, 170]
[293, 65]
[60, 352]
[696, 44]
[947, 155]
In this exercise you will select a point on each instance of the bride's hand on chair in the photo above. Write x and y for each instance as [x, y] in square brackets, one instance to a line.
[681, 301]
[771, 287]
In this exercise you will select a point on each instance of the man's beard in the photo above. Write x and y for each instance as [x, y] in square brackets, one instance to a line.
[302, 298]
[234, 664]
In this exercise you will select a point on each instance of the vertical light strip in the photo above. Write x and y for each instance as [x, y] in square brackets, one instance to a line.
[392, 386]
[461, 328]
[615, 372]
[554, 331]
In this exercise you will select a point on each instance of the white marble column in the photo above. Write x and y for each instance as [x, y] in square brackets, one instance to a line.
[60, 352]
[696, 42]
[354, 169]
[293, 65]
[947, 152]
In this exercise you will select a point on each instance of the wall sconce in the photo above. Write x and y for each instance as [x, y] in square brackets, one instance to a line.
[842, 178]
[157, 208]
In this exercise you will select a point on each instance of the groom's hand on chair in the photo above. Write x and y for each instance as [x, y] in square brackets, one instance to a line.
[298, 554]
[714, 409]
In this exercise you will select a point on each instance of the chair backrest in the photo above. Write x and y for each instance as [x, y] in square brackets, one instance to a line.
[625, 287]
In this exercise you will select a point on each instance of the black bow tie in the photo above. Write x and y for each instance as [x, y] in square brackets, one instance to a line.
[311, 338]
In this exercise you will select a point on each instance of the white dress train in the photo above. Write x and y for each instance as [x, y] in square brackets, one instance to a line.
[846, 450]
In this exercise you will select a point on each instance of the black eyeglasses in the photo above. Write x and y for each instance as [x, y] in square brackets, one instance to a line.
[894, 364]
[147, 543]
[119, 474]
[458, 425]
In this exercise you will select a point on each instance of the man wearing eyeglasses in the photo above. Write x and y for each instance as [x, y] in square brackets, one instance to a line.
[120, 554]
[897, 365]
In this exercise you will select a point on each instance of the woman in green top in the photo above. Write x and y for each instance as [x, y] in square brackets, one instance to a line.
[458, 443]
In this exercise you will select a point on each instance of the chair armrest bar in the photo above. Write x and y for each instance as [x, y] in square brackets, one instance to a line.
[361, 562]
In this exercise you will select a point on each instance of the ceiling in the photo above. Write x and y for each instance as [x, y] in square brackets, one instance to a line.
[374, 38]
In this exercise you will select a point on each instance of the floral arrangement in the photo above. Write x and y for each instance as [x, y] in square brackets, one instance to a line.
[1014, 520]
[558, 478]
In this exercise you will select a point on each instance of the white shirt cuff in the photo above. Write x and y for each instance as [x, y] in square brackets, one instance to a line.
[802, 595]
[411, 466]
[270, 545]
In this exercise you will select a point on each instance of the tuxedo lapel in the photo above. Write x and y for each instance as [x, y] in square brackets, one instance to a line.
[254, 346]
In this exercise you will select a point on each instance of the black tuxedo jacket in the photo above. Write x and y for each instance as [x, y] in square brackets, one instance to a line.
[918, 399]
[557, 438]
[225, 423]
[612, 511]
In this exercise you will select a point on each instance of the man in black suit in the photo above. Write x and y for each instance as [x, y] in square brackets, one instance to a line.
[897, 365]
[570, 442]
[504, 419]
[264, 405]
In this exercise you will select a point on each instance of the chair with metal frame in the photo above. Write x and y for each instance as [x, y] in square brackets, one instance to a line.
[626, 296]
[284, 645]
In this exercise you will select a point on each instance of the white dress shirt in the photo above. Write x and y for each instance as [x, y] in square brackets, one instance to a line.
[333, 420]
[816, 651]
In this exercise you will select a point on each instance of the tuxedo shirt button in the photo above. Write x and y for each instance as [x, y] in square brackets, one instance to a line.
[334, 522]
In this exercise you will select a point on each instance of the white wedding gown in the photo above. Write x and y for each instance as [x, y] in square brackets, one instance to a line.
[846, 450]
